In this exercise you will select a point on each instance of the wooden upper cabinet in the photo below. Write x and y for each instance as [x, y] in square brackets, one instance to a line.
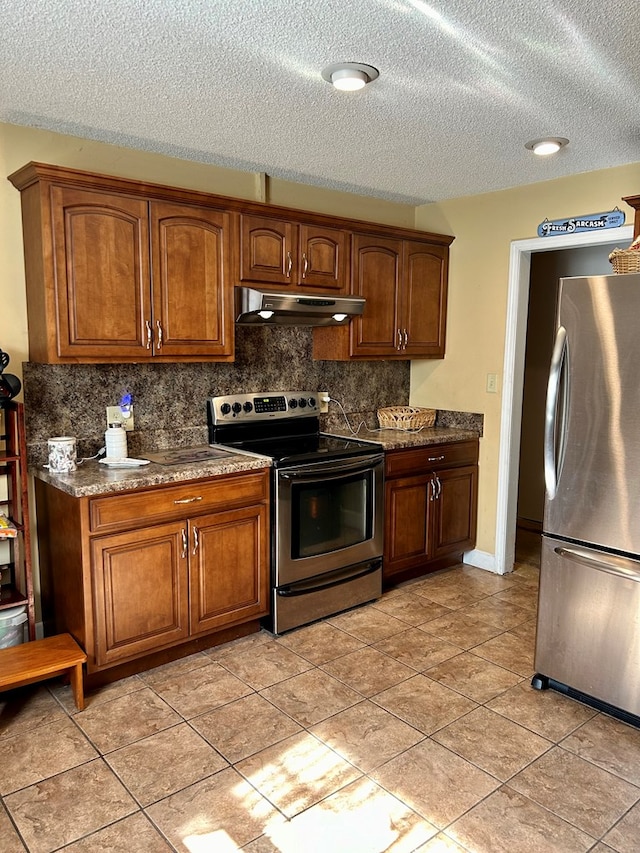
[423, 311]
[117, 276]
[281, 253]
[266, 250]
[322, 258]
[376, 276]
[405, 285]
[119, 270]
[100, 275]
[190, 250]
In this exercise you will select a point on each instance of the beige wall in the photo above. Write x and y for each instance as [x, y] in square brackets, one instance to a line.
[20, 145]
[485, 226]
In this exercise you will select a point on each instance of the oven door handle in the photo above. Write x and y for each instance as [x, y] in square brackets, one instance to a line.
[321, 468]
[306, 587]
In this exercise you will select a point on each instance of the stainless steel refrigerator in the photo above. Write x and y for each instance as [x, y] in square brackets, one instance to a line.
[588, 632]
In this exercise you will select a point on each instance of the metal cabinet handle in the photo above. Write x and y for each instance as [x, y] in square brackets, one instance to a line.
[406, 338]
[159, 334]
[436, 458]
[399, 344]
[305, 265]
[184, 544]
[439, 485]
[196, 539]
[431, 488]
[190, 500]
[289, 264]
[147, 324]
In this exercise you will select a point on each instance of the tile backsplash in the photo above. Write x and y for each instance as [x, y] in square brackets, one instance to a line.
[169, 400]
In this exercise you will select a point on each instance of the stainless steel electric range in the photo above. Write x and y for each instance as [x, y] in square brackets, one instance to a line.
[327, 503]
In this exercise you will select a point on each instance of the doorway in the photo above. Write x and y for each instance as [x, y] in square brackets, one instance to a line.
[520, 269]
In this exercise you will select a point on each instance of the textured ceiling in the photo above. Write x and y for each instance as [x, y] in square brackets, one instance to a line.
[463, 85]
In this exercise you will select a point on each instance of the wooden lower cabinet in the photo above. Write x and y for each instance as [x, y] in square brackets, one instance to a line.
[226, 568]
[140, 591]
[178, 563]
[430, 508]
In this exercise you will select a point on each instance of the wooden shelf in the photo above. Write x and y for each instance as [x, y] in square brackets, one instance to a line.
[11, 597]
[16, 573]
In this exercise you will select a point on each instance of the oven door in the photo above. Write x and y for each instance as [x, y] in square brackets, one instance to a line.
[328, 515]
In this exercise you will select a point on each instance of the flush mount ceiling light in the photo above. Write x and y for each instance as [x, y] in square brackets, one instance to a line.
[349, 76]
[546, 146]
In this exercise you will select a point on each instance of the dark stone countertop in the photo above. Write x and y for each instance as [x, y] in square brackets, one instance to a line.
[395, 439]
[93, 478]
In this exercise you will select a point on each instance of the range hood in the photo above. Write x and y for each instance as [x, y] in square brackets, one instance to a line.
[295, 309]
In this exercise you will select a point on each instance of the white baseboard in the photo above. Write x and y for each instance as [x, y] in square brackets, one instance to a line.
[481, 560]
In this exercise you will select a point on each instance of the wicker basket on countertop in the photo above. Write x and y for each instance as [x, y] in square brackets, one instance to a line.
[406, 417]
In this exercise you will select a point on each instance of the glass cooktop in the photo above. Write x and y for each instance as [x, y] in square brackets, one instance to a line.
[306, 448]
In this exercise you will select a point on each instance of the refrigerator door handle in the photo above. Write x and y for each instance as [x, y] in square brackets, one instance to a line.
[555, 413]
[619, 566]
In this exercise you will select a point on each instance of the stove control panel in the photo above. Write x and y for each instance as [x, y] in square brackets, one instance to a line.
[251, 408]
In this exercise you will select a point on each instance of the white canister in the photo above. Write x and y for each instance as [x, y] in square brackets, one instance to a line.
[62, 454]
[115, 439]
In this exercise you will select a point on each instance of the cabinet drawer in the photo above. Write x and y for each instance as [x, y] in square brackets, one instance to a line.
[122, 511]
[430, 458]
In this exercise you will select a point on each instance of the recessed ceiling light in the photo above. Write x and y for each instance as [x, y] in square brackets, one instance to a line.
[546, 146]
[349, 76]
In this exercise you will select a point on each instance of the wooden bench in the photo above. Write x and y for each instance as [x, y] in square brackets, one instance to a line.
[40, 659]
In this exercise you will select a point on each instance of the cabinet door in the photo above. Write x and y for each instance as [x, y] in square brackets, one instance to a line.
[423, 299]
[375, 275]
[140, 591]
[229, 568]
[101, 281]
[408, 507]
[266, 251]
[192, 291]
[454, 525]
[322, 258]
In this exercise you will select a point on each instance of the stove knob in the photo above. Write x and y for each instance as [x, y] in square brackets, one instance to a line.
[302, 403]
[225, 408]
[312, 402]
[236, 408]
[248, 407]
[293, 404]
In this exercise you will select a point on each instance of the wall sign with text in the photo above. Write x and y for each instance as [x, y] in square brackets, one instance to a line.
[577, 224]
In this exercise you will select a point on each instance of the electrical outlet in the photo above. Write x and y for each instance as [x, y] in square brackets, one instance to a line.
[323, 401]
[115, 416]
[492, 383]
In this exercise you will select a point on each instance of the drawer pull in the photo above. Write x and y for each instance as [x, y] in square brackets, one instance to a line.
[192, 500]
[436, 458]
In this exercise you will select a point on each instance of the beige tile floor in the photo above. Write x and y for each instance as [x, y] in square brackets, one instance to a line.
[405, 725]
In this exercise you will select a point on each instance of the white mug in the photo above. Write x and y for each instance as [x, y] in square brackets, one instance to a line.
[62, 454]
